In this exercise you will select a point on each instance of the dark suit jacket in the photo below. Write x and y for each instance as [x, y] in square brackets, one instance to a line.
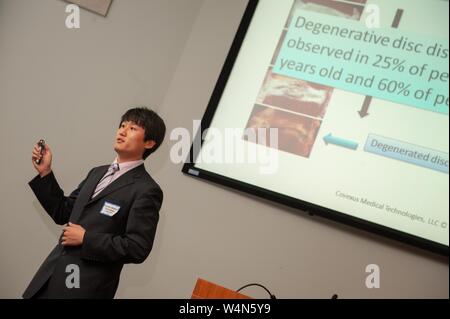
[109, 242]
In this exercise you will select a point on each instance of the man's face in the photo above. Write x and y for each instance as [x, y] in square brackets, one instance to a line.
[130, 142]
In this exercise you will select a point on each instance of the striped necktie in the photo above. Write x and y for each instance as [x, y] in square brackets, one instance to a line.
[106, 180]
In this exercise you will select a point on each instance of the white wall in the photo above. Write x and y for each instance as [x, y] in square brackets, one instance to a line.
[71, 87]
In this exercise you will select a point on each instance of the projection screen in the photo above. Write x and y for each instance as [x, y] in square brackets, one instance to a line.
[340, 109]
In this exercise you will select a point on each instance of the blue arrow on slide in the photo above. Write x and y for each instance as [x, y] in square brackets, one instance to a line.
[330, 139]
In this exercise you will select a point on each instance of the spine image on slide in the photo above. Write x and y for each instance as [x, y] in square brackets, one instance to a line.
[294, 106]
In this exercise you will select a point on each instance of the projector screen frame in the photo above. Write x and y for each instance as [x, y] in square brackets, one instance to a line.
[303, 206]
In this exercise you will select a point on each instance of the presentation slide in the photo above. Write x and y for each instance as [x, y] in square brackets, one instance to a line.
[356, 93]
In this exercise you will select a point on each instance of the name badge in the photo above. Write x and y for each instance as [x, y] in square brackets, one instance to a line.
[109, 209]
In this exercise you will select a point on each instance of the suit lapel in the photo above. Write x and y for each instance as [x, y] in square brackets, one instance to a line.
[87, 192]
[122, 181]
[93, 181]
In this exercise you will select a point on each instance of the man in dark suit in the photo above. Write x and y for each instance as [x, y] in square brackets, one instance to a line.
[110, 218]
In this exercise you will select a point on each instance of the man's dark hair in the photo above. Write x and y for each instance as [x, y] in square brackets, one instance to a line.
[154, 126]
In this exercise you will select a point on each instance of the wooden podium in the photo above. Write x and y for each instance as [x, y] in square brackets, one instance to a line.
[208, 290]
